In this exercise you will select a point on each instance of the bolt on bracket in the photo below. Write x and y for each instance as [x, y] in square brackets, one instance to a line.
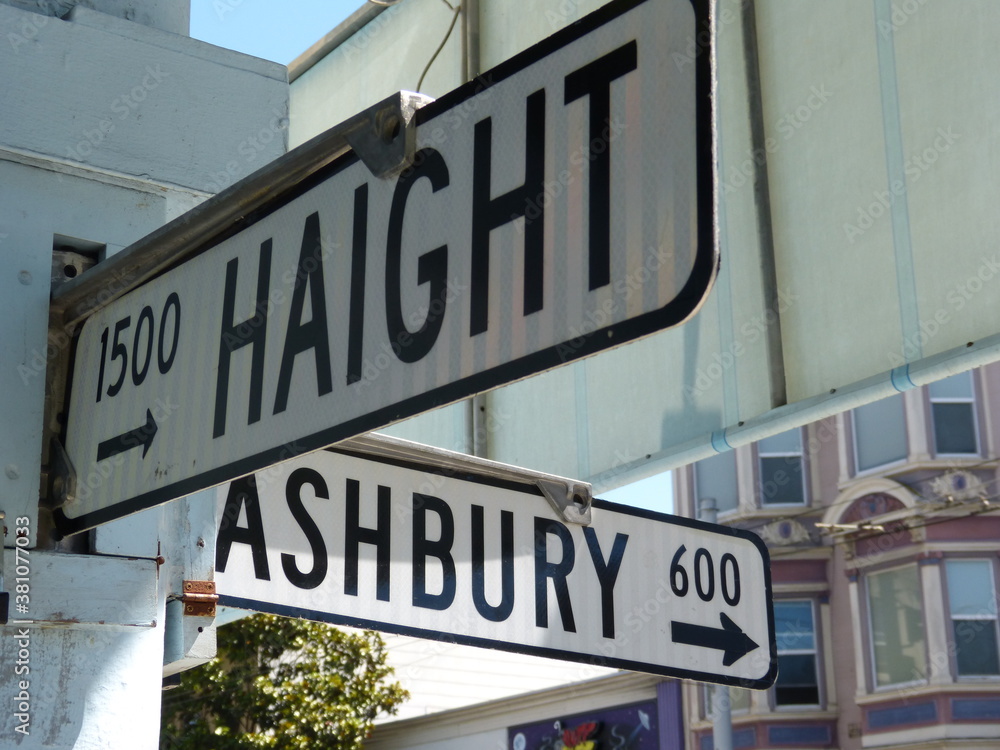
[572, 501]
[384, 135]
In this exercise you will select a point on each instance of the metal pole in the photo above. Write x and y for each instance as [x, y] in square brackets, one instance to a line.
[722, 719]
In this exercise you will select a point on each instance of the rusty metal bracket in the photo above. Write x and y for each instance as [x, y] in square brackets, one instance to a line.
[199, 598]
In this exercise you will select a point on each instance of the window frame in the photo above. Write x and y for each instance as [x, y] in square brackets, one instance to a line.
[974, 400]
[856, 463]
[759, 477]
[869, 635]
[950, 619]
[815, 651]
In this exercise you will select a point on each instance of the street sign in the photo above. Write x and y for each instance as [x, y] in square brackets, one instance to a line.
[443, 554]
[557, 206]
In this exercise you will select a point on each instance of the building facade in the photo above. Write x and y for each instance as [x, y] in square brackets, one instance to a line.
[623, 710]
[883, 533]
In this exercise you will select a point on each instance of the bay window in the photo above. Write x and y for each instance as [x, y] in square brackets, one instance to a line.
[895, 610]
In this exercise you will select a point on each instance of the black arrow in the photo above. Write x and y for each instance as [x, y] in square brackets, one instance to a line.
[128, 440]
[729, 638]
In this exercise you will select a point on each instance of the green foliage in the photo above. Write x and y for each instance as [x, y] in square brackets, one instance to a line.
[282, 683]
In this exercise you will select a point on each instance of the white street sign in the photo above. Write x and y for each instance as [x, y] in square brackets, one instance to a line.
[557, 206]
[411, 549]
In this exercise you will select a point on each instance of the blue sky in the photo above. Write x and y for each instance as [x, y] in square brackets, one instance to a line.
[281, 31]
[273, 30]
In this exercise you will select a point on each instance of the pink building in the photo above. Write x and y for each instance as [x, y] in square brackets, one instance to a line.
[884, 536]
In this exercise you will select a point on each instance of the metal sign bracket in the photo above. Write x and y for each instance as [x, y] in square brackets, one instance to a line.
[383, 136]
[570, 498]
[63, 486]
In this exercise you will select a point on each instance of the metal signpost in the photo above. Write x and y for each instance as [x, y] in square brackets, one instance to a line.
[556, 206]
[477, 556]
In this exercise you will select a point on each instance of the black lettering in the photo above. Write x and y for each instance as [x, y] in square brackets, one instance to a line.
[355, 534]
[312, 335]
[502, 611]
[359, 259]
[432, 267]
[242, 494]
[524, 202]
[556, 571]
[594, 80]
[607, 574]
[441, 549]
[293, 496]
[234, 336]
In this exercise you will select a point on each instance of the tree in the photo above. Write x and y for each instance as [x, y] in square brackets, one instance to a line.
[282, 683]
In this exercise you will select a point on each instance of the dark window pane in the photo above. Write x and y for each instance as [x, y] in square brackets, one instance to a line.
[954, 428]
[781, 480]
[976, 647]
[804, 695]
[796, 683]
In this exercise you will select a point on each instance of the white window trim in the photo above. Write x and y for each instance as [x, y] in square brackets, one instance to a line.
[974, 401]
[801, 455]
[814, 651]
[995, 617]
